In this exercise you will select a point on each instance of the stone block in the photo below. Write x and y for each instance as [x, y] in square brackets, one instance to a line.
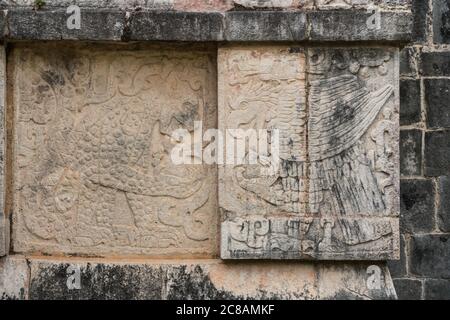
[437, 96]
[397, 268]
[417, 206]
[95, 24]
[435, 64]
[408, 65]
[411, 152]
[437, 153]
[174, 26]
[410, 101]
[444, 203]
[14, 277]
[306, 199]
[353, 25]
[437, 289]
[420, 9]
[93, 166]
[441, 21]
[265, 26]
[408, 289]
[430, 256]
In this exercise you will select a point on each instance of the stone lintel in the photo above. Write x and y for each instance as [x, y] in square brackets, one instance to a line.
[236, 26]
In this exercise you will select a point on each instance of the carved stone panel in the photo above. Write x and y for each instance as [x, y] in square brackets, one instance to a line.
[92, 140]
[333, 193]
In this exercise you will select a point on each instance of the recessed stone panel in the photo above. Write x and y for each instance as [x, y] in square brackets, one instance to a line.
[92, 140]
[333, 193]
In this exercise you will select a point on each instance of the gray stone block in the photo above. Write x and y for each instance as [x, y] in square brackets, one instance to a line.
[437, 153]
[417, 206]
[437, 289]
[265, 26]
[430, 256]
[441, 21]
[435, 64]
[409, 101]
[408, 289]
[420, 9]
[444, 204]
[397, 268]
[96, 24]
[411, 152]
[408, 57]
[174, 26]
[437, 96]
[332, 25]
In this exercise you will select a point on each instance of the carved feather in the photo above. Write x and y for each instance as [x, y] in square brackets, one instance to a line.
[341, 112]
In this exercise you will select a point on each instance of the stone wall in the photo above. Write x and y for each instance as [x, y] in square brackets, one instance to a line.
[423, 272]
[131, 261]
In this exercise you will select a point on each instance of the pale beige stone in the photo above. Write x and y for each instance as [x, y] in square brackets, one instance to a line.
[14, 278]
[92, 141]
[334, 194]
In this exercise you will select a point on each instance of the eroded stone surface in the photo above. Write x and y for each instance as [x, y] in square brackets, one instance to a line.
[346, 4]
[14, 277]
[92, 166]
[4, 225]
[208, 279]
[216, 5]
[334, 194]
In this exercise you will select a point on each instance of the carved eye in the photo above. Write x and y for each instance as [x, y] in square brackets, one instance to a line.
[243, 105]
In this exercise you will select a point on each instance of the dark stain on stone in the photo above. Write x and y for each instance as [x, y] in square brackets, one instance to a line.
[98, 282]
[410, 199]
[295, 50]
[53, 78]
[194, 285]
[445, 25]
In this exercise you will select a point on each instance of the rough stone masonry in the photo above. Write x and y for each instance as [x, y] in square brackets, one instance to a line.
[95, 208]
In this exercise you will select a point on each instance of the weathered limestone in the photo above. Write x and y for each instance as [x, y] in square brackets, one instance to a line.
[334, 192]
[92, 140]
[4, 225]
[216, 5]
[92, 124]
[207, 279]
[14, 278]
